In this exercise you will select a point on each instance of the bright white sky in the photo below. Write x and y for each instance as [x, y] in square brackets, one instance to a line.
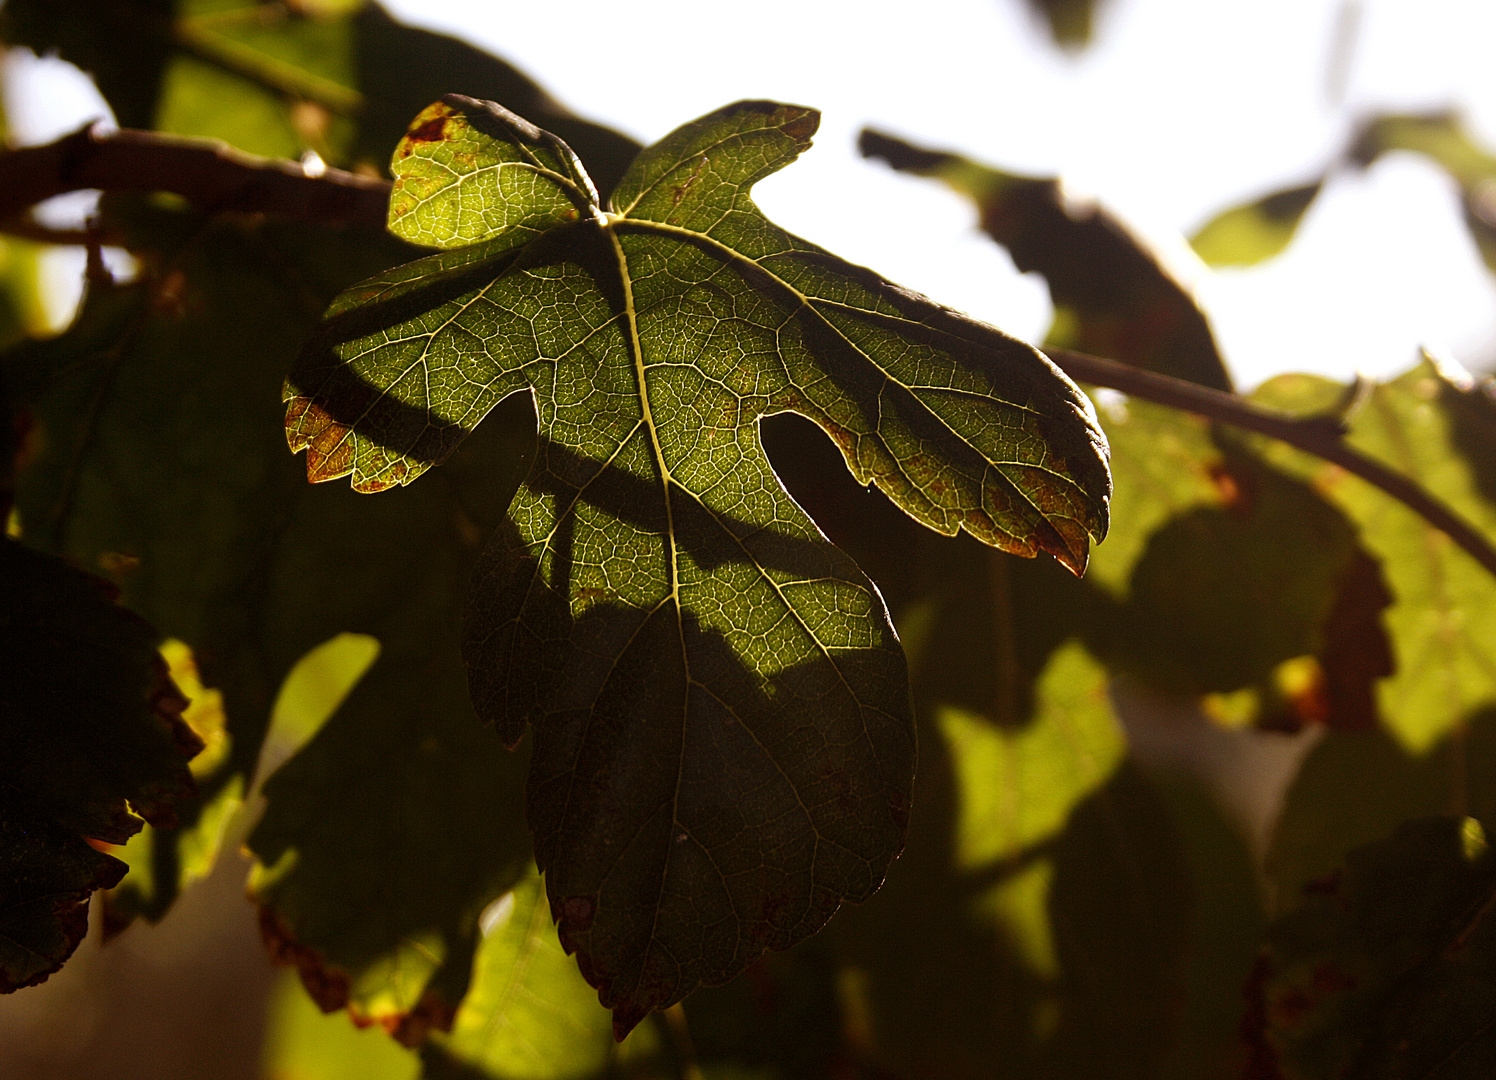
[1179, 109]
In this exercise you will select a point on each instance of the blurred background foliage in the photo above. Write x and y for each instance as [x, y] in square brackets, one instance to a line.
[1219, 809]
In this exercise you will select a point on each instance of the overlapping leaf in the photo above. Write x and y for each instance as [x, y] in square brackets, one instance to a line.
[1256, 231]
[1443, 621]
[1253, 232]
[1042, 870]
[1113, 294]
[530, 1015]
[1325, 815]
[655, 568]
[1046, 907]
[1031, 881]
[47, 875]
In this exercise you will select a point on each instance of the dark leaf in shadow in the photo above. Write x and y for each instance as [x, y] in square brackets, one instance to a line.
[1387, 968]
[385, 838]
[1222, 595]
[91, 735]
[47, 874]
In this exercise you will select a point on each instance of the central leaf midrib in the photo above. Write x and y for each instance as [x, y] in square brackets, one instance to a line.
[666, 480]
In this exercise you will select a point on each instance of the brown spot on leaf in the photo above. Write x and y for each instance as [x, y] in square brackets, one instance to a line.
[1236, 488]
[898, 807]
[431, 130]
[803, 126]
[770, 911]
[328, 443]
[679, 191]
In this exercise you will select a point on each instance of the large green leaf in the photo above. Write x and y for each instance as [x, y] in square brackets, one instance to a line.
[1114, 295]
[655, 567]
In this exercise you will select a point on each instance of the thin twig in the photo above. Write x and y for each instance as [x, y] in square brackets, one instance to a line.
[209, 174]
[1321, 436]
